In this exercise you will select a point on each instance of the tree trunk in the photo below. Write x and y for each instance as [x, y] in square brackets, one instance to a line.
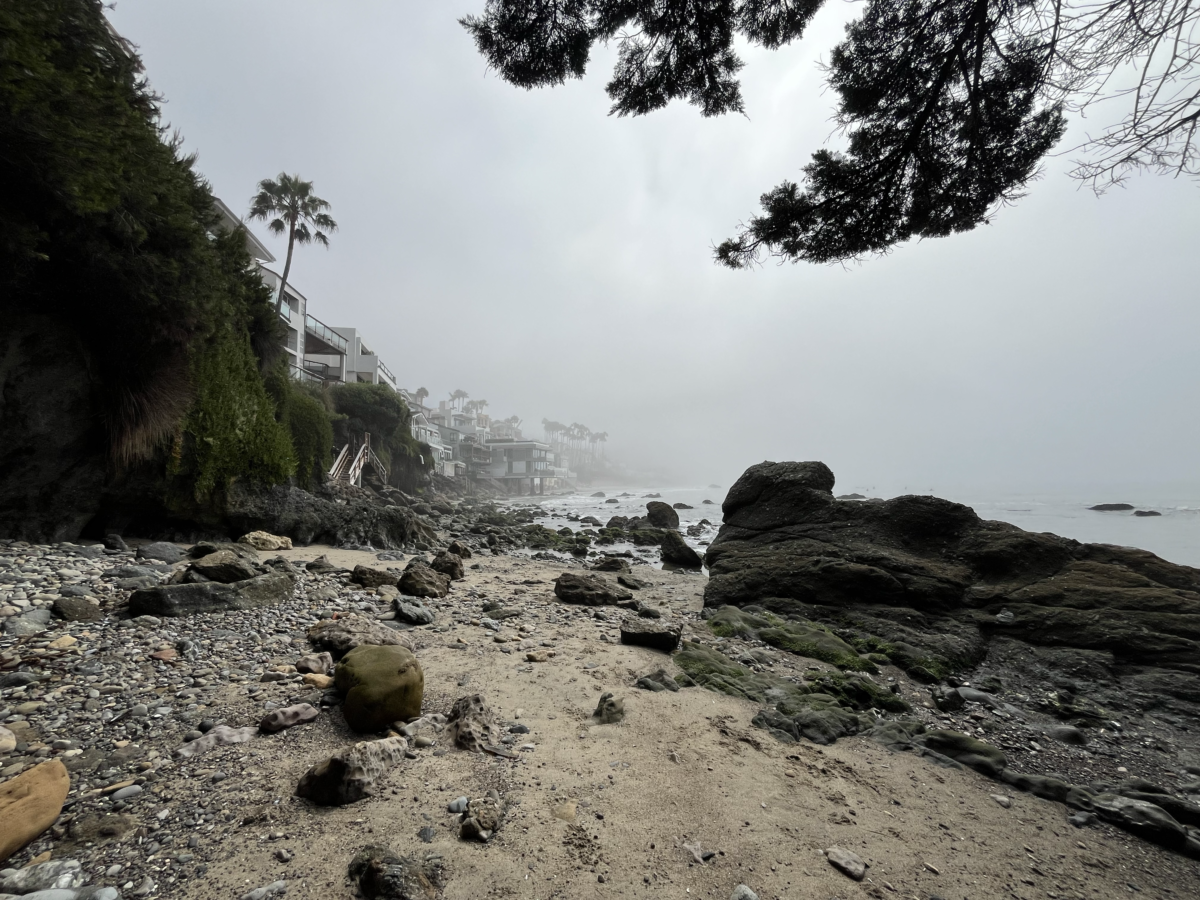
[287, 267]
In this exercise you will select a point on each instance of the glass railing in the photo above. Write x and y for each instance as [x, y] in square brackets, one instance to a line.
[304, 375]
[317, 328]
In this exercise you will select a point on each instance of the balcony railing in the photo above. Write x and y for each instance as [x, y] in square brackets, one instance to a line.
[303, 374]
[386, 371]
[320, 330]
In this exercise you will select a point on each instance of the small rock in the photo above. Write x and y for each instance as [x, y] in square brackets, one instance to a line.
[288, 717]
[609, 710]
[741, 892]
[846, 862]
[351, 774]
[1002, 800]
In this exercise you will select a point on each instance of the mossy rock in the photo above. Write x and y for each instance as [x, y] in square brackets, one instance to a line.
[969, 751]
[381, 685]
[797, 636]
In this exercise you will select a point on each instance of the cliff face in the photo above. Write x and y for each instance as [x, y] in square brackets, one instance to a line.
[52, 439]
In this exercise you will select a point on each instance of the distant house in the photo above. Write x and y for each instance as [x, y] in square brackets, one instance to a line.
[527, 466]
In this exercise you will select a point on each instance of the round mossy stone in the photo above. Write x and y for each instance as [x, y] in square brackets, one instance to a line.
[381, 685]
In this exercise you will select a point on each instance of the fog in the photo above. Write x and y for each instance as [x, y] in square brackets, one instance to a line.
[532, 250]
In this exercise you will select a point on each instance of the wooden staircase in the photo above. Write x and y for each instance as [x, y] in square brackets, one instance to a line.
[349, 465]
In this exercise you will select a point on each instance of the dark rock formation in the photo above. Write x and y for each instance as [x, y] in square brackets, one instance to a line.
[662, 636]
[419, 580]
[929, 584]
[661, 515]
[370, 577]
[189, 599]
[589, 590]
[1112, 507]
[675, 550]
[449, 564]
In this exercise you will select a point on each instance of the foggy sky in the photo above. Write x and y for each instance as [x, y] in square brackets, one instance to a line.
[534, 251]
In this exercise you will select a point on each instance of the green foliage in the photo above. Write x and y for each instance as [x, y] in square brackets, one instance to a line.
[230, 432]
[302, 410]
[103, 222]
[377, 410]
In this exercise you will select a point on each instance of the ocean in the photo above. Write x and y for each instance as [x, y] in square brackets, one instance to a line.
[1174, 534]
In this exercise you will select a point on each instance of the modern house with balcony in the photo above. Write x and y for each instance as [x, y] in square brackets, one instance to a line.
[362, 363]
[526, 466]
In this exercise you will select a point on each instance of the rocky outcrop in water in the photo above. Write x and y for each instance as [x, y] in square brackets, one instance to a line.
[927, 584]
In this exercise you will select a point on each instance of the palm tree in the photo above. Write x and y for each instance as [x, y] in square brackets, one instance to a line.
[457, 396]
[421, 394]
[289, 205]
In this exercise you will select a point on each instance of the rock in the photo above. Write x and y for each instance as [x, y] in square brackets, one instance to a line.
[460, 549]
[274, 889]
[217, 736]
[323, 682]
[8, 740]
[611, 564]
[33, 622]
[382, 875]
[847, 863]
[589, 590]
[598, 494]
[77, 609]
[279, 719]
[190, 599]
[852, 497]
[969, 751]
[681, 506]
[470, 724]
[29, 804]
[1143, 513]
[1141, 817]
[1112, 507]
[612, 500]
[449, 564]
[324, 515]
[657, 681]
[321, 566]
[60, 874]
[261, 540]
[609, 710]
[947, 700]
[481, 820]
[675, 550]
[633, 582]
[116, 542]
[660, 515]
[412, 613]
[320, 663]
[352, 773]
[102, 829]
[657, 635]
[225, 567]
[162, 551]
[340, 636]
[381, 684]
[741, 892]
[1067, 734]
[1002, 800]
[370, 577]
[419, 580]
[617, 522]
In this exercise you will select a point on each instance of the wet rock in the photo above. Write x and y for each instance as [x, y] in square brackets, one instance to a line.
[190, 599]
[610, 710]
[847, 862]
[29, 804]
[657, 681]
[321, 566]
[224, 566]
[116, 542]
[660, 515]
[589, 590]
[77, 609]
[676, 551]
[968, 751]
[380, 874]
[1112, 507]
[340, 636]
[382, 684]
[412, 613]
[163, 551]
[419, 580]
[1143, 818]
[471, 724]
[1145, 513]
[449, 564]
[657, 635]
[370, 577]
[611, 564]
[680, 506]
[633, 582]
[319, 663]
[262, 540]
[217, 736]
[289, 716]
[351, 774]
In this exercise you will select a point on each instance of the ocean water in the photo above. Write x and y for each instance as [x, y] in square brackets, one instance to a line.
[1174, 534]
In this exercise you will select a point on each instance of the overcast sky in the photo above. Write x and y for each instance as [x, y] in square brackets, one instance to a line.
[533, 251]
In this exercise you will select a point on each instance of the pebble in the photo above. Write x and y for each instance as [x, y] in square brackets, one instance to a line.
[741, 892]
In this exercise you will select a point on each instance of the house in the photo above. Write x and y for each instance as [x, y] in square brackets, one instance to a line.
[362, 364]
[517, 464]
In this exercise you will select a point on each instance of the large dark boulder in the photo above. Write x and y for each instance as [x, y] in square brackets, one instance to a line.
[676, 551]
[661, 515]
[419, 580]
[589, 590]
[930, 584]
[173, 600]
